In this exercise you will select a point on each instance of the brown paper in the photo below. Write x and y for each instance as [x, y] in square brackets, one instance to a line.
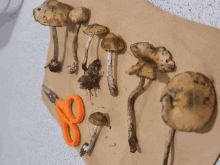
[194, 47]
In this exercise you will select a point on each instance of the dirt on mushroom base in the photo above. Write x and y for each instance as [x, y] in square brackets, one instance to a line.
[90, 79]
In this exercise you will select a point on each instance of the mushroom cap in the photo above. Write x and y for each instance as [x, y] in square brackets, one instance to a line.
[98, 119]
[112, 43]
[95, 29]
[142, 69]
[188, 101]
[79, 14]
[159, 56]
[53, 13]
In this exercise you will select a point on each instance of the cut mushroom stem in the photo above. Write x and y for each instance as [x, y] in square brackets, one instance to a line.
[74, 67]
[86, 53]
[168, 144]
[111, 83]
[88, 147]
[132, 138]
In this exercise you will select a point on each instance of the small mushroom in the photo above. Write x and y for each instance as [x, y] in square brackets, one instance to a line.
[188, 102]
[54, 14]
[91, 30]
[145, 68]
[111, 43]
[78, 15]
[99, 120]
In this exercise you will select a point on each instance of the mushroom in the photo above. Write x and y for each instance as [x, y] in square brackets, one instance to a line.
[78, 15]
[99, 120]
[91, 30]
[188, 102]
[54, 14]
[150, 59]
[111, 43]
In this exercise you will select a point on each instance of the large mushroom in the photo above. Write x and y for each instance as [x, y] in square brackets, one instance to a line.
[99, 120]
[188, 102]
[150, 59]
[54, 14]
[111, 43]
[91, 30]
[77, 15]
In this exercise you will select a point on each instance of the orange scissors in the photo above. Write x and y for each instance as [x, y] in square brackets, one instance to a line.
[66, 116]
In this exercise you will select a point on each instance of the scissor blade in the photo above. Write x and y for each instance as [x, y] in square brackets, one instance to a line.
[50, 94]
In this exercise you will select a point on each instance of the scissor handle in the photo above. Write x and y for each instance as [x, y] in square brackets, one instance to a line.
[66, 108]
[65, 124]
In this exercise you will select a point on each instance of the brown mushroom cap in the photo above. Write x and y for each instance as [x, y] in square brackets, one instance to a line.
[98, 119]
[53, 13]
[142, 69]
[112, 43]
[79, 14]
[188, 101]
[95, 29]
[159, 56]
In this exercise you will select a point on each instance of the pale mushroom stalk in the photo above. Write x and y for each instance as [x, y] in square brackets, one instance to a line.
[74, 67]
[55, 40]
[168, 144]
[111, 84]
[86, 52]
[88, 147]
[132, 138]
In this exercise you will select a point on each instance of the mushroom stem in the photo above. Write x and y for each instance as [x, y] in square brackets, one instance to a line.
[168, 144]
[86, 53]
[88, 147]
[55, 40]
[111, 84]
[132, 138]
[74, 67]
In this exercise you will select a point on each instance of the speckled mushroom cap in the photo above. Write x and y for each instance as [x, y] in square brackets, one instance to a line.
[159, 57]
[79, 14]
[112, 43]
[53, 13]
[95, 29]
[98, 119]
[188, 101]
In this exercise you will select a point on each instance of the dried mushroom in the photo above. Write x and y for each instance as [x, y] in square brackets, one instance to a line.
[91, 30]
[150, 59]
[97, 119]
[77, 16]
[111, 43]
[90, 79]
[188, 102]
[54, 14]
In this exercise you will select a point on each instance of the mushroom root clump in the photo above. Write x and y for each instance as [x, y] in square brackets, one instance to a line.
[54, 14]
[77, 16]
[111, 44]
[90, 79]
[188, 102]
[97, 119]
[150, 60]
